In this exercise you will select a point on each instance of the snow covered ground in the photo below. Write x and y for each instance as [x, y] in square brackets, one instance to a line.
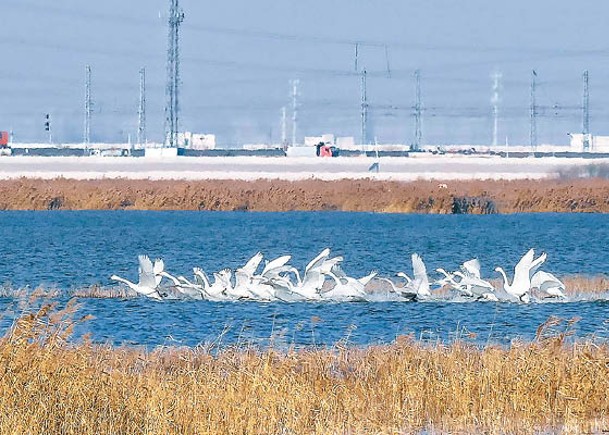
[250, 168]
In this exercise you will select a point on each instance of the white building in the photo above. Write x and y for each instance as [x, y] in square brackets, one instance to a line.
[327, 138]
[197, 141]
[597, 144]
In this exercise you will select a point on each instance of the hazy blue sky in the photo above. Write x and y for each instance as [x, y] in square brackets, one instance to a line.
[239, 55]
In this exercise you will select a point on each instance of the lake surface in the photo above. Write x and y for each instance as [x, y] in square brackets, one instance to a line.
[71, 250]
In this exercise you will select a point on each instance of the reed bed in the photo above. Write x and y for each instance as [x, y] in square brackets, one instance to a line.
[50, 385]
[567, 194]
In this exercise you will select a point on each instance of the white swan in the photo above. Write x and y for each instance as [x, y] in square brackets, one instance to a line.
[476, 286]
[449, 280]
[215, 291]
[548, 285]
[523, 271]
[309, 286]
[149, 278]
[184, 287]
[347, 287]
[420, 276]
[408, 291]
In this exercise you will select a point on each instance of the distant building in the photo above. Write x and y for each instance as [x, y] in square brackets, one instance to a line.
[327, 138]
[345, 142]
[197, 141]
[597, 144]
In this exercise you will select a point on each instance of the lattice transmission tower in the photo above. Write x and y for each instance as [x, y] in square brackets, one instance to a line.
[586, 113]
[533, 112]
[364, 108]
[172, 108]
[418, 109]
[88, 108]
[141, 112]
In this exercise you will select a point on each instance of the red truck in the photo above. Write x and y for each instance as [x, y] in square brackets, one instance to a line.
[4, 148]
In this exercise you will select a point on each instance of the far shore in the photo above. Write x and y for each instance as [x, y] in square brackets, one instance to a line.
[365, 195]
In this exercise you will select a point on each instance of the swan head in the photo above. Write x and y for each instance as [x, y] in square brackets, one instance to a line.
[498, 269]
[114, 277]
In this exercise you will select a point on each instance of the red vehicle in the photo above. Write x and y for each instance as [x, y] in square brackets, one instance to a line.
[3, 138]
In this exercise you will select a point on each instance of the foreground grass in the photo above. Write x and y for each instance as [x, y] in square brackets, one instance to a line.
[50, 386]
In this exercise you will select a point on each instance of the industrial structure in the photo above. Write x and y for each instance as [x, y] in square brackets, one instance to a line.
[172, 108]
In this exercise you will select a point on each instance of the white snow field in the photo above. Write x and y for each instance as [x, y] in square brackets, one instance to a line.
[297, 168]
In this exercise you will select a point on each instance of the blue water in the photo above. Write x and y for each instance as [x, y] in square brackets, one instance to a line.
[70, 250]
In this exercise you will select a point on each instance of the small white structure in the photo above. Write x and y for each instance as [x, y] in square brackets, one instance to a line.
[597, 144]
[345, 142]
[197, 141]
[327, 138]
[306, 151]
[160, 153]
[261, 146]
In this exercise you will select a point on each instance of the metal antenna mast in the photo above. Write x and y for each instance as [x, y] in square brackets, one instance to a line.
[418, 107]
[533, 112]
[284, 130]
[88, 107]
[495, 101]
[364, 109]
[586, 113]
[141, 112]
[295, 94]
[172, 109]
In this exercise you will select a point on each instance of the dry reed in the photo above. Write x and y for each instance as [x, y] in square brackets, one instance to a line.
[49, 385]
[477, 196]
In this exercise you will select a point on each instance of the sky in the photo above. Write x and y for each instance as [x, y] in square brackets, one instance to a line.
[239, 56]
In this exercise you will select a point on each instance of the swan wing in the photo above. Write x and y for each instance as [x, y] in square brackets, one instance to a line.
[536, 264]
[330, 264]
[524, 265]
[544, 280]
[146, 272]
[275, 264]
[316, 262]
[366, 279]
[159, 266]
[418, 267]
[252, 265]
[471, 268]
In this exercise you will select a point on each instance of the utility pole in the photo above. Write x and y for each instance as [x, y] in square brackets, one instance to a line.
[141, 112]
[495, 101]
[284, 132]
[172, 109]
[295, 94]
[533, 113]
[364, 109]
[418, 108]
[88, 108]
[586, 114]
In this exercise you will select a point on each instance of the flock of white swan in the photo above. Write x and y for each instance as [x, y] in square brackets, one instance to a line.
[324, 280]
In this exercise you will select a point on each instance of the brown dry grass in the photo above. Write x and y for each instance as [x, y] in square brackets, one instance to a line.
[50, 386]
[583, 195]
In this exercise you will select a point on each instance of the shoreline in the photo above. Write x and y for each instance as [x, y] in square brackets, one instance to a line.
[366, 195]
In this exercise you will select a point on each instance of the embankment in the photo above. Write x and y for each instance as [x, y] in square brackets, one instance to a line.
[477, 197]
